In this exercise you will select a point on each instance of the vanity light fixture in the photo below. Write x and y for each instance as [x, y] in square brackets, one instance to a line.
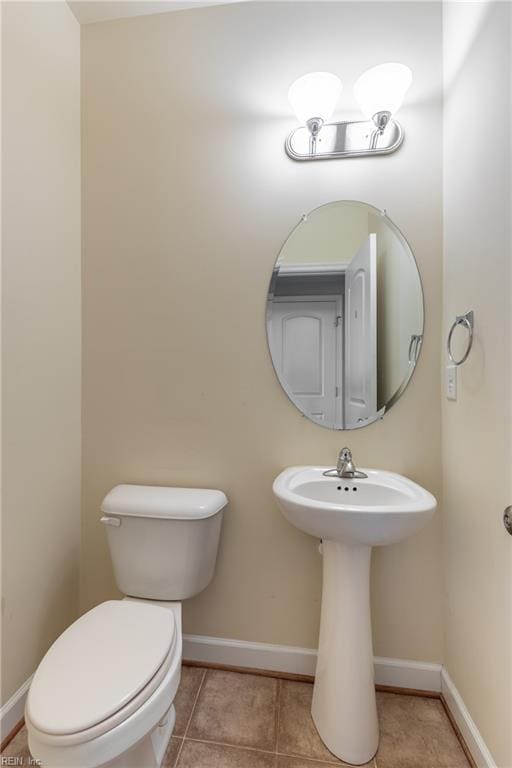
[379, 92]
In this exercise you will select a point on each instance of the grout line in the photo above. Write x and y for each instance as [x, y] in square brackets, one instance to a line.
[337, 762]
[245, 747]
[179, 751]
[190, 718]
[195, 703]
[278, 713]
[232, 746]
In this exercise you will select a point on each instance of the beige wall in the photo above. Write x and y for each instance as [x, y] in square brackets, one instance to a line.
[187, 198]
[477, 428]
[41, 331]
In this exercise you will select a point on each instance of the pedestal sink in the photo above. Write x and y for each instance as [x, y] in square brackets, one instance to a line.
[351, 517]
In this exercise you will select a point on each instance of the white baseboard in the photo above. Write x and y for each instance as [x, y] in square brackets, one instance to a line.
[14, 709]
[240, 653]
[402, 673]
[465, 723]
[302, 661]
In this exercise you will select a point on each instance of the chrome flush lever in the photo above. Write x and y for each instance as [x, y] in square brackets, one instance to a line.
[115, 521]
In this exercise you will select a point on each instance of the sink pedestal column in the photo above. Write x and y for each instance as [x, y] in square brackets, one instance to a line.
[344, 707]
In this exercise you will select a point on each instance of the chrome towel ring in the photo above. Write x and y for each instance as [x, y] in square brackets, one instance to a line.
[467, 321]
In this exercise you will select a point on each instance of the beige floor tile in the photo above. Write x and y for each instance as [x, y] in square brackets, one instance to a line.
[171, 752]
[197, 754]
[297, 733]
[238, 709]
[415, 733]
[191, 679]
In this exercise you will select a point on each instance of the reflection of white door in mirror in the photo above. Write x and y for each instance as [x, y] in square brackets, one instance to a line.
[306, 342]
[361, 335]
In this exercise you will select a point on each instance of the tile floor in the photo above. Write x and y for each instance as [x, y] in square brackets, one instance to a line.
[233, 720]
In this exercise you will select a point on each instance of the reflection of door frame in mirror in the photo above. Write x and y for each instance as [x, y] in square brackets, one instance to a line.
[339, 344]
[361, 297]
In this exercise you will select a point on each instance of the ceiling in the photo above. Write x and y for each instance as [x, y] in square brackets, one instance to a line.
[90, 11]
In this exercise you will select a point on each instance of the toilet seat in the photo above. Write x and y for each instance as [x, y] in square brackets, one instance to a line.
[101, 670]
[101, 750]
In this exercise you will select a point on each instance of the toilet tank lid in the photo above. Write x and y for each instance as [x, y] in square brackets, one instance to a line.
[163, 502]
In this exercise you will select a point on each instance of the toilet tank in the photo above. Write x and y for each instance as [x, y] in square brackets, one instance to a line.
[163, 541]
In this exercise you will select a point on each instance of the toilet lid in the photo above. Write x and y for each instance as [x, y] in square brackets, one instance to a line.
[99, 664]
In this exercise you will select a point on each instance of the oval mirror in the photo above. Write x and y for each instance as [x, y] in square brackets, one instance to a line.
[345, 315]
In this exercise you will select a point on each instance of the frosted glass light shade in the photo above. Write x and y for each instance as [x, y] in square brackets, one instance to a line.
[382, 88]
[315, 95]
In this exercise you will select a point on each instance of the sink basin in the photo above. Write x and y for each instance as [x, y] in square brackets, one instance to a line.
[381, 509]
[351, 517]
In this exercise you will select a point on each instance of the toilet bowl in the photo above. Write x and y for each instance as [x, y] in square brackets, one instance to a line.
[103, 694]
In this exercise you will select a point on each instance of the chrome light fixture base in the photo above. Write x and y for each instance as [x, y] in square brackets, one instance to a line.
[379, 136]
[314, 126]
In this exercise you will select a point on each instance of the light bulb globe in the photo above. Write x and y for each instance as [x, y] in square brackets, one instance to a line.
[382, 89]
[315, 96]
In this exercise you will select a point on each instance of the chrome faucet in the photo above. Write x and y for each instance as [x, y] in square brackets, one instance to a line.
[345, 467]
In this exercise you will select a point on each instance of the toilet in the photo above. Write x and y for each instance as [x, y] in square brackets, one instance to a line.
[103, 694]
